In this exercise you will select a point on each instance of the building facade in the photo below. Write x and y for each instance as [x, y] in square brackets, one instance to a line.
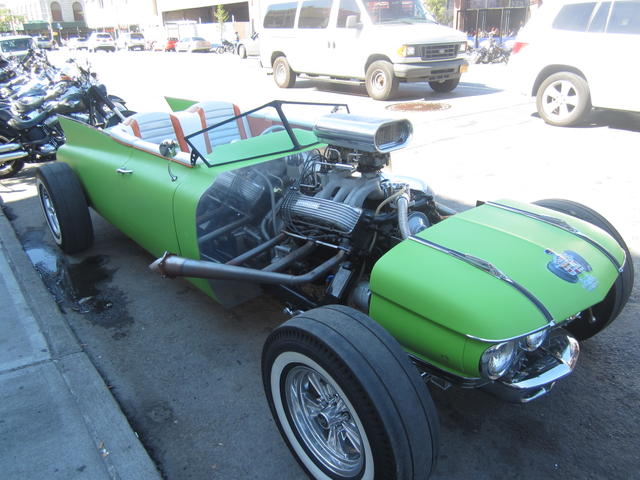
[57, 18]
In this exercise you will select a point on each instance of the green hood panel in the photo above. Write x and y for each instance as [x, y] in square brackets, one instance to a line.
[462, 298]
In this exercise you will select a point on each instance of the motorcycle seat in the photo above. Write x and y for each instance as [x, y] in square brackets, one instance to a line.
[20, 124]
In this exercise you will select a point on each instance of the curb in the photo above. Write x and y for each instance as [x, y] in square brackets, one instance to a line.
[123, 455]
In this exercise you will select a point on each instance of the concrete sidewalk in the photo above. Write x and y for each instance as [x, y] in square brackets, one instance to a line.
[58, 420]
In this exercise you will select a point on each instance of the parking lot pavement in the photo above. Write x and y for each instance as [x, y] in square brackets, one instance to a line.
[186, 372]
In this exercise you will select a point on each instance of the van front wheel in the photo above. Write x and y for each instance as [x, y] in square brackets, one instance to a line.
[380, 81]
[282, 73]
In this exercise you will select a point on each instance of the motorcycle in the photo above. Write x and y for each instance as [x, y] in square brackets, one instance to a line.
[29, 128]
[492, 52]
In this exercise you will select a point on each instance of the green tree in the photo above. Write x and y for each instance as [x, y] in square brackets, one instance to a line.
[222, 16]
[439, 10]
[10, 22]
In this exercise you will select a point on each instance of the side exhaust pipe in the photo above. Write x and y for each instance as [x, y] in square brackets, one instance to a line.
[170, 265]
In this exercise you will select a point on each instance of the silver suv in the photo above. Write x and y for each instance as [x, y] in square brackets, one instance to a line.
[576, 54]
[101, 41]
[131, 41]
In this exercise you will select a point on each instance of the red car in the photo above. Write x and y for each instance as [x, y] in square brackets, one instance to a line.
[171, 45]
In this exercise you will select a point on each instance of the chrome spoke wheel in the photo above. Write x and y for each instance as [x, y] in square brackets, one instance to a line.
[49, 211]
[324, 421]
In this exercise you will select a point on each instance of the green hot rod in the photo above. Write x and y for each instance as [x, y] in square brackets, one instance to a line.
[387, 287]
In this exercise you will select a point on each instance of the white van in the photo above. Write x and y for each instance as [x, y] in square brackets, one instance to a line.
[16, 45]
[380, 42]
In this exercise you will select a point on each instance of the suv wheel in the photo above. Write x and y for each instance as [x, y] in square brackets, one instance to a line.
[563, 99]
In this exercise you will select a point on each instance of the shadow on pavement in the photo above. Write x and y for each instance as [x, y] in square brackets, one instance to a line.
[406, 91]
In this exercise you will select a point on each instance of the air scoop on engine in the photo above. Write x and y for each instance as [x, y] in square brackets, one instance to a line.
[365, 134]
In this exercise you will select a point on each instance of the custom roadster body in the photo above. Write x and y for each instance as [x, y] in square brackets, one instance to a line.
[384, 282]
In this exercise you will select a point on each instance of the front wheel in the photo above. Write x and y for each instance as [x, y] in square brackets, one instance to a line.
[594, 320]
[346, 399]
[563, 99]
[282, 73]
[242, 51]
[380, 81]
[445, 86]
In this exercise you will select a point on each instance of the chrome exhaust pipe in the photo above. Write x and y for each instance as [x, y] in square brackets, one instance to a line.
[170, 265]
[10, 147]
[9, 157]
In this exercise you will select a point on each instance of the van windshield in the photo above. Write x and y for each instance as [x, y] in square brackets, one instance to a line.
[397, 11]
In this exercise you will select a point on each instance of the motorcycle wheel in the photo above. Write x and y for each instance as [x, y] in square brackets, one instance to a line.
[12, 167]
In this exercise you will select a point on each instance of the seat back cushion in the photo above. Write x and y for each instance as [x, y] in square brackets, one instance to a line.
[211, 113]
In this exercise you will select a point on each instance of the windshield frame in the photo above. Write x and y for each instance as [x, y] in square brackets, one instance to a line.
[277, 105]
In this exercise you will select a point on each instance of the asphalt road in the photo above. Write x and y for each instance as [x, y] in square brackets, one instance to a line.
[186, 372]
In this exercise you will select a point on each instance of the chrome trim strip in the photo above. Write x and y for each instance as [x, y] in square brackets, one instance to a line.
[492, 270]
[508, 339]
[561, 224]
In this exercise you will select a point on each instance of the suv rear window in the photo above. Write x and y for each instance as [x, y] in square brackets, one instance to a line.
[625, 18]
[281, 15]
[104, 36]
[574, 17]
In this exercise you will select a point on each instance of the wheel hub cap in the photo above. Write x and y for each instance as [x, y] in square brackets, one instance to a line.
[324, 421]
[560, 99]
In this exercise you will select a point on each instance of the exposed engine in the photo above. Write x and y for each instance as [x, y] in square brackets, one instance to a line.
[313, 224]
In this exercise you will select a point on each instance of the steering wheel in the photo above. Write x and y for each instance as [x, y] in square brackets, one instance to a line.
[271, 129]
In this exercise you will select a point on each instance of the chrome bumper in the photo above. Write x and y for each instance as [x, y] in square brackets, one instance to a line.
[428, 71]
[559, 360]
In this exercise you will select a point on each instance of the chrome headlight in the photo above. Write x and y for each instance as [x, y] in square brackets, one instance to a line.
[497, 359]
[407, 51]
[533, 341]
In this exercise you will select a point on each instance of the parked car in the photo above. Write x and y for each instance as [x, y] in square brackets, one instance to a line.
[378, 43]
[170, 46]
[45, 43]
[16, 45]
[131, 41]
[77, 43]
[292, 199]
[573, 55]
[249, 47]
[101, 41]
[193, 44]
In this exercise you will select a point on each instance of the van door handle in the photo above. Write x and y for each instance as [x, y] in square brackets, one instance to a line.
[124, 171]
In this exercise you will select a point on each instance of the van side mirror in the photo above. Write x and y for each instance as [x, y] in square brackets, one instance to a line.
[353, 21]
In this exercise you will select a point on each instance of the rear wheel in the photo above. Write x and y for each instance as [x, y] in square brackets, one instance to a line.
[380, 81]
[445, 86]
[563, 99]
[242, 51]
[595, 319]
[346, 399]
[65, 207]
[282, 73]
